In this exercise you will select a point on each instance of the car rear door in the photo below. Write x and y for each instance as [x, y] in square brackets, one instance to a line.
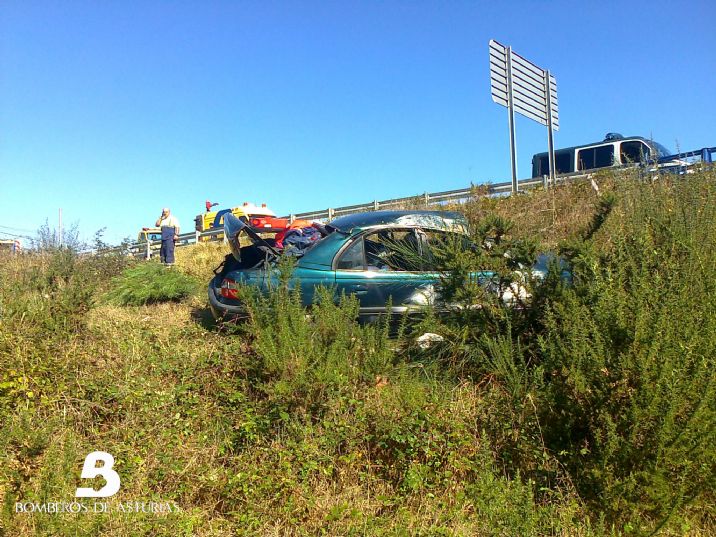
[368, 268]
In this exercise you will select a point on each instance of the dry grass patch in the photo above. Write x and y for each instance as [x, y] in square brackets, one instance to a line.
[199, 260]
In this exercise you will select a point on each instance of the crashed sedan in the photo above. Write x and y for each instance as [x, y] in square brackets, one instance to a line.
[380, 257]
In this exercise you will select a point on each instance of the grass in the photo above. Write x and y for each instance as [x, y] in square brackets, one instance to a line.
[590, 413]
[150, 283]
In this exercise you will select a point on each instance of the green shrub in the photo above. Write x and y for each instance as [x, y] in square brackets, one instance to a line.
[304, 357]
[615, 376]
[631, 403]
[149, 283]
[51, 292]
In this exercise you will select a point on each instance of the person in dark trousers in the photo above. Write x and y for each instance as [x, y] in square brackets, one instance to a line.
[170, 234]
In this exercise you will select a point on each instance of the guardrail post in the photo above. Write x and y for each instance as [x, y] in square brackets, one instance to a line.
[330, 214]
[545, 183]
[149, 249]
[291, 218]
[426, 197]
[375, 205]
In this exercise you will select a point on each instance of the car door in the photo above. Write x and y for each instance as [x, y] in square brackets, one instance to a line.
[309, 280]
[382, 265]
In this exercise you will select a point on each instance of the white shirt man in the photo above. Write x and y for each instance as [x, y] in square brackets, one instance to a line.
[168, 220]
[170, 233]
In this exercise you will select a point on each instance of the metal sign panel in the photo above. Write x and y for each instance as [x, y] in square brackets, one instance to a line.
[524, 88]
[529, 87]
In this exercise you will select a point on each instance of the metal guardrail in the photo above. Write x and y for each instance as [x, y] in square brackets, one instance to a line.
[487, 189]
[434, 198]
[146, 249]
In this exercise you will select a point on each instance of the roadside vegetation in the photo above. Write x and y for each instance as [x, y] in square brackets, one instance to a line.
[589, 411]
[149, 283]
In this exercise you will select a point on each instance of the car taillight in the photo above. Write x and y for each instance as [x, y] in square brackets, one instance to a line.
[229, 289]
[255, 222]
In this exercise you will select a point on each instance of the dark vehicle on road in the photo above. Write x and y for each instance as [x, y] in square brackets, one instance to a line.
[614, 150]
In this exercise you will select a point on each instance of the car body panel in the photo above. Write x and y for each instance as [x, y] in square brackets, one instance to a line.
[375, 288]
[320, 255]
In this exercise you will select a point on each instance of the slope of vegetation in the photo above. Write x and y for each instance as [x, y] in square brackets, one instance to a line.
[588, 412]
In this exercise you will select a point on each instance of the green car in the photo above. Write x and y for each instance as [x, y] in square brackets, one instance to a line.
[380, 257]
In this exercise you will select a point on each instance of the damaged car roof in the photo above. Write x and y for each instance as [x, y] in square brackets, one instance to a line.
[426, 219]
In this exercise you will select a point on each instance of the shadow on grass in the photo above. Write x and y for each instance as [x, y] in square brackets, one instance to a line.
[203, 317]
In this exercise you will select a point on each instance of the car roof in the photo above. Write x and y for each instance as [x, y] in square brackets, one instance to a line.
[426, 219]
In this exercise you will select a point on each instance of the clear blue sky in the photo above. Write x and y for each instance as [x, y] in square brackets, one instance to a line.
[112, 110]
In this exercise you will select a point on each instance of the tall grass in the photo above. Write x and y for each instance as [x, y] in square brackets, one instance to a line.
[611, 379]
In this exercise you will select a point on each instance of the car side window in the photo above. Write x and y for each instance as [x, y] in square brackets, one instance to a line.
[393, 249]
[596, 157]
[386, 250]
[634, 152]
[353, 257]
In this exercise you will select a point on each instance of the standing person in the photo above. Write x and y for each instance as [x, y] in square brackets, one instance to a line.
[170, 233]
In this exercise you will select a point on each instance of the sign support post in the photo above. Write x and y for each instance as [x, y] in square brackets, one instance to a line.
[550, 137]
[511, 116]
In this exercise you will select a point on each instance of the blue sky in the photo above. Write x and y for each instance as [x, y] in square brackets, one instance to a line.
[112, 110]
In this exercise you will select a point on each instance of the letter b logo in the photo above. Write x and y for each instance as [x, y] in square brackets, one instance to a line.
[90, 470]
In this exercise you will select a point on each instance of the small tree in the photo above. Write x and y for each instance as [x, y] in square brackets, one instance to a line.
[49, 239]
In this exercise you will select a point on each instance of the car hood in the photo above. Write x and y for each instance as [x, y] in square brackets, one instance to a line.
[234, 229]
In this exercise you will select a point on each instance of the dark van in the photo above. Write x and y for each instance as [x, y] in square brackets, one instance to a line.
[614, 150]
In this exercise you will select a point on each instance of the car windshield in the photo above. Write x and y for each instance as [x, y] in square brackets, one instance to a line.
[663, 151]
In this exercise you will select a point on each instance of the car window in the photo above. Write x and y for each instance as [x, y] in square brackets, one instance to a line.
[596, 157]
[393, 250]
[634, 152]
[353, 257]
[563, 163]
[406, 250]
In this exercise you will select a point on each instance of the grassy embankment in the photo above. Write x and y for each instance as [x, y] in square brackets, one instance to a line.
[591, 412]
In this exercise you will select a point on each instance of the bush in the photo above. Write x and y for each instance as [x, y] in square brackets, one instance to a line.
[149, 283]
[631, 402]
[302, 358]
[615, 376]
